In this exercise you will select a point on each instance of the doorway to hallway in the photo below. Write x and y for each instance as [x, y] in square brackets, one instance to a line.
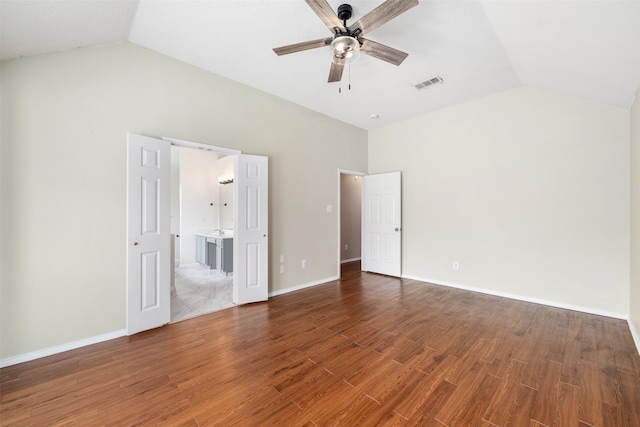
[350, 217]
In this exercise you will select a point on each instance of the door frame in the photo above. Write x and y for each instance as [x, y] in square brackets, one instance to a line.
[190, 144]
[339, 210]
[197, 146]
[238, 155]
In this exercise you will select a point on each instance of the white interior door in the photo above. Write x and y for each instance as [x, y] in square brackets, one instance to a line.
[251, 244]
[381, 224]
[148, 236]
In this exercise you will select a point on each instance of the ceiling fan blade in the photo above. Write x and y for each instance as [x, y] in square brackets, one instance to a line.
[298, 47]
[383, 13]
[335, 72]
[326, 14]
[380, 51]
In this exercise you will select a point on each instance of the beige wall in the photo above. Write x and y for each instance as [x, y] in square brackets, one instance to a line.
[527, 190]
[634, 297]
[64, 124]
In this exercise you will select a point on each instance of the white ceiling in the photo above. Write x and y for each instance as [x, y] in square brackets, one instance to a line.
[585, 48]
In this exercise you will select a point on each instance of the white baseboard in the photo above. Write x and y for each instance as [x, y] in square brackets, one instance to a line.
[634, 334]
[632, 328]
[117, 334]
[60, 348]
[522, 298]
[303, 286]
[344, 261]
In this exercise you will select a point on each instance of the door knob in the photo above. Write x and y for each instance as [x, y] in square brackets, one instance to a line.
[135, 243]
[397, 229]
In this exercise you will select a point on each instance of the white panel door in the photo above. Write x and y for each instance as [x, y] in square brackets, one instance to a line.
[251, 244]
[381, 224]
[148, 236]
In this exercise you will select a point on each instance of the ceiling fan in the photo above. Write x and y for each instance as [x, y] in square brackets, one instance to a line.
[348, 41]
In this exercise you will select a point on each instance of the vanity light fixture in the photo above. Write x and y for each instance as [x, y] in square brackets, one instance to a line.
[225, 180]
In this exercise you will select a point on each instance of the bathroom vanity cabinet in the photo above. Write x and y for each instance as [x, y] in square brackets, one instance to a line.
[215, 252]
[220, 253]
[201, 249]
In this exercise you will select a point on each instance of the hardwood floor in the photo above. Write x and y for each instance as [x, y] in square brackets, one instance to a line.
[366, 350]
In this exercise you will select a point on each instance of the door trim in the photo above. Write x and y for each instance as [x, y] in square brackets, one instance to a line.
[201, 146]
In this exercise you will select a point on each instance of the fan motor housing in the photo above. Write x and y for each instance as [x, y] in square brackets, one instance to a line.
[345, 11]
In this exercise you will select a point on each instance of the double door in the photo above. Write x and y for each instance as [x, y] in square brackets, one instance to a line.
[148, 233]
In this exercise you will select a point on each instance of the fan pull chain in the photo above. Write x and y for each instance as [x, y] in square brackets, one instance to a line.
[349, 80]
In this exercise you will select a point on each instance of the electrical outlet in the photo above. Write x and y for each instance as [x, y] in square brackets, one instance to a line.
[304, 263]
[456, 265]
[281, 268]
[346, 247]
[281, 258]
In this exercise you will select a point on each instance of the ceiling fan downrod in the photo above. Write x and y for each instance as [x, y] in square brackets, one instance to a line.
[345, 11]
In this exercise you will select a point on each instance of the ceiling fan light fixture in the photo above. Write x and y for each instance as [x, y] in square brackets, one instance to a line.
[346, 41]
[345, 50]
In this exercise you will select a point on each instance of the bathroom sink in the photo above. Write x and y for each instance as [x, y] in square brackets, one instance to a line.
[221, 233]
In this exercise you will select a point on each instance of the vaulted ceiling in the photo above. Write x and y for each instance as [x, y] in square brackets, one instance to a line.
[583, 48]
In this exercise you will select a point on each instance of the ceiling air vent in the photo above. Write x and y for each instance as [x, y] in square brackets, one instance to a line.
[429, 82]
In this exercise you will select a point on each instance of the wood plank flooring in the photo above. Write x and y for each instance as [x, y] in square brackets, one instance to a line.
[366, 350]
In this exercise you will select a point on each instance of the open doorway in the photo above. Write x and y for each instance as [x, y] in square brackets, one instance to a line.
[149, 254]
[350, 224]
[202, 225]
